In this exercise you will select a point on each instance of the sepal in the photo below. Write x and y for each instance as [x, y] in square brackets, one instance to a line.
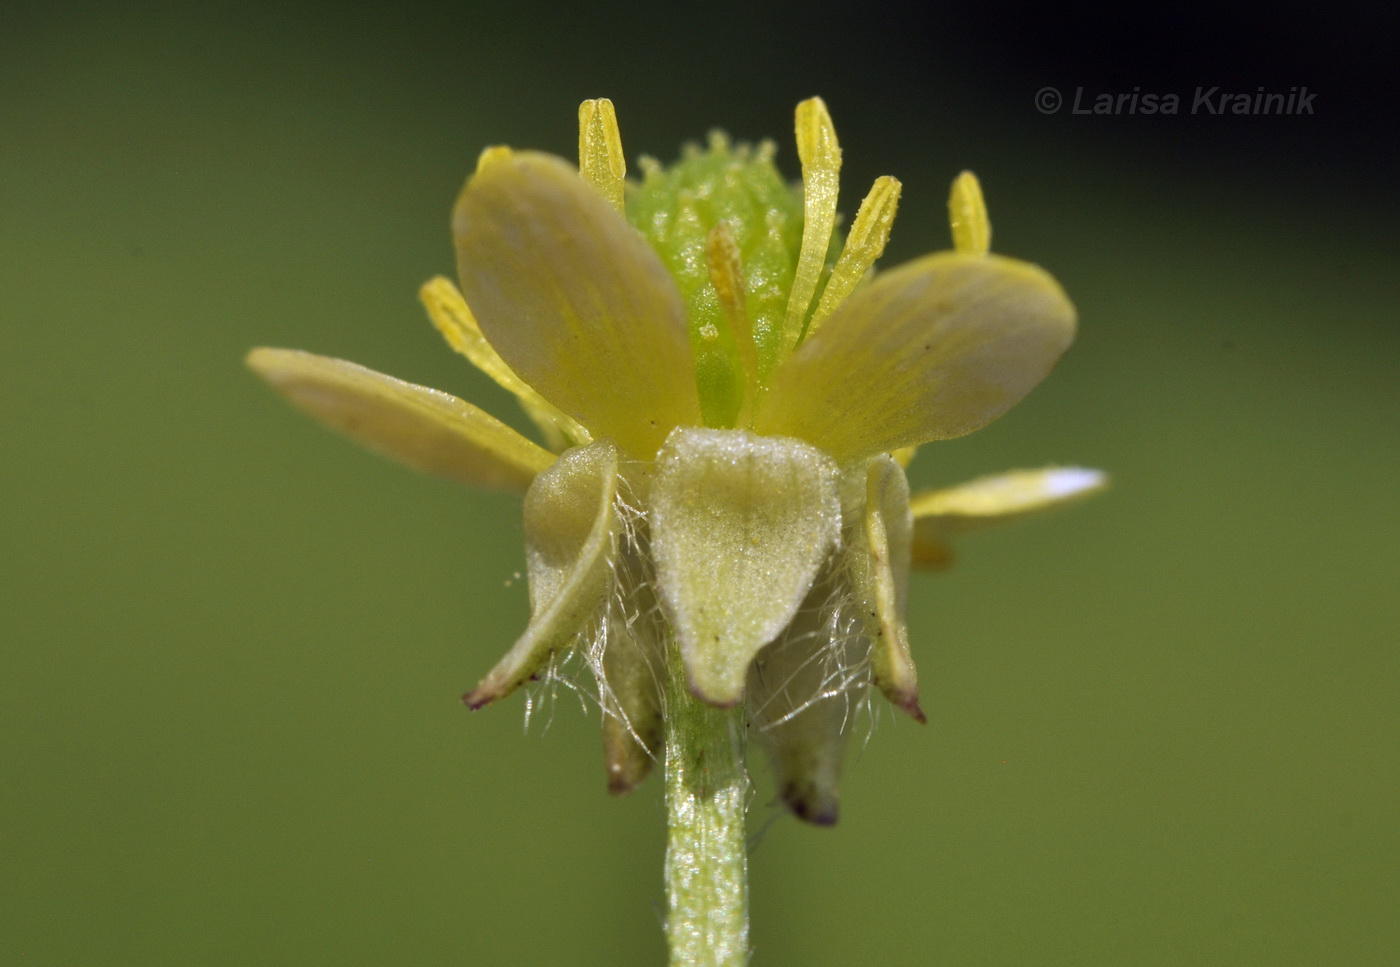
[634, 666]
[571, 528]
[803, 691]
[878, 562]
[741, 525]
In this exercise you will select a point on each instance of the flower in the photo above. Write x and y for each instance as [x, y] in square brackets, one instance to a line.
[728, 396]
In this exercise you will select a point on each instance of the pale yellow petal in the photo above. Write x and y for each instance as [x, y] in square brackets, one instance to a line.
[600, 157]
[1004, 496]
[879, 569]
[934, 349]
[452, 317]
[967, 215]
[941, 514]
[740, 526]
[820, 154]
[571, 526]
[427, 429]
[864, 245]
[575, 301]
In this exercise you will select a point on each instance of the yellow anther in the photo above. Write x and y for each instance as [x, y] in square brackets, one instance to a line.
[864, 245]
[820, 154]
[967, 212]
[600, 158]
[491, 155]
[727, 276]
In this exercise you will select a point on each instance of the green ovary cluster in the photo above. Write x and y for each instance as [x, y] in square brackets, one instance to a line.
[676, 207]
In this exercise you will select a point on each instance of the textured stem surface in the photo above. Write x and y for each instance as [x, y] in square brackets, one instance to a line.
[707, 895]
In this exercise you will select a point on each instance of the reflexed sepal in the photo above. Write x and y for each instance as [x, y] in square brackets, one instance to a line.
[634, 665]
[571, 525]
[740, 526]
[803, 691]
[879, 569]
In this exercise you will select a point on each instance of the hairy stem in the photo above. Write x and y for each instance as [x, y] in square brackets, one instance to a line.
[707, 788]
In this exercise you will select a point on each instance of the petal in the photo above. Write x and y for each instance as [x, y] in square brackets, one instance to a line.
[571, 525]
[427, 429]
[940, 514]
[803, 691]
[931, 350]
[575, 301]
[454, 320]
[740, 526]
[879, 569]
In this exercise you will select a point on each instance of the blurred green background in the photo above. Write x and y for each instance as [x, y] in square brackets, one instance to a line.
[1164, 725]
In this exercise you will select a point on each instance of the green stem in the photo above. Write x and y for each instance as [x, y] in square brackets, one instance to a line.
[707, 788]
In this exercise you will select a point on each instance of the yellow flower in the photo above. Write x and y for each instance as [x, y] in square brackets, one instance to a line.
[727, 410]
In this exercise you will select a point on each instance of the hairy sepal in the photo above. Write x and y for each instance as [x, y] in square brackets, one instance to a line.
[741, 525]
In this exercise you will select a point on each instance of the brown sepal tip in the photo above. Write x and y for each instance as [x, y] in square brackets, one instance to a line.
[916, 712]
[621, 782]
[810, 808]
[906, 700]
[475, 700]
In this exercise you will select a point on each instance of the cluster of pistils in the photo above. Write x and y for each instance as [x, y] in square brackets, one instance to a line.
[727, 394]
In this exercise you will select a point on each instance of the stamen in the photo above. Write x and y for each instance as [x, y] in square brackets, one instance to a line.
[820, 154]
[600, 158]
[864, 245]
[967, 212]
[491, 155]
[727, 276]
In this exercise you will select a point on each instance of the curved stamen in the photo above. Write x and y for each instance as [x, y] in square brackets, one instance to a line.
[820, 154]
[727, 276]
[864, 245]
